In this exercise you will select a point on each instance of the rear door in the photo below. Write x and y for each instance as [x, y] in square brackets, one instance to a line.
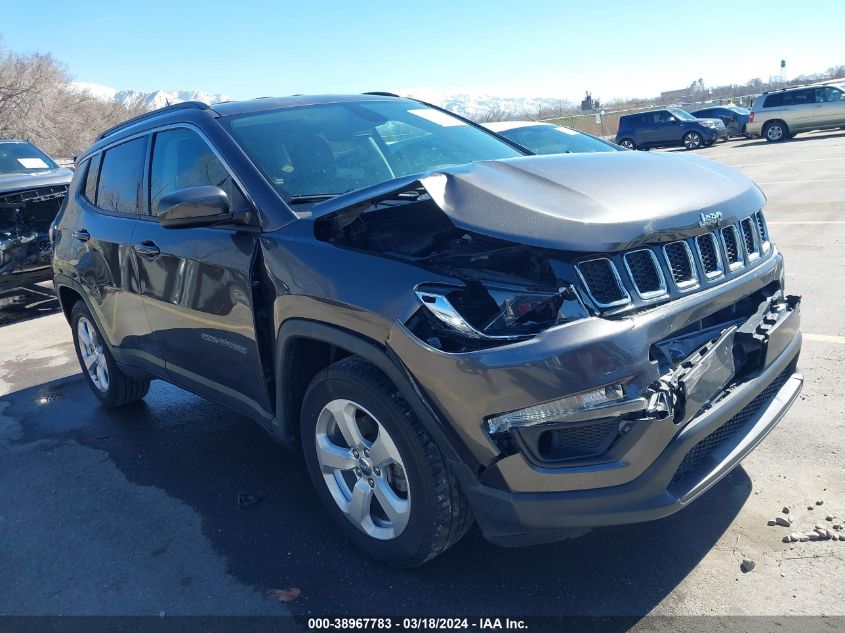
[109, 204]
[799, 108]
[196, 282]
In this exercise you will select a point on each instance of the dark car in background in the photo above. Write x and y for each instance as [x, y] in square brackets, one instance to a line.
[451, 329]
[734, 117]
[32, 188]
[668, 127]
[548, 138]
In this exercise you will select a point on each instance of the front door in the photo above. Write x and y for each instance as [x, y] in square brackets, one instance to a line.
[830, 107]
[196, 282]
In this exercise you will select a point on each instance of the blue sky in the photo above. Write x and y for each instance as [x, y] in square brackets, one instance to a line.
[531, 48]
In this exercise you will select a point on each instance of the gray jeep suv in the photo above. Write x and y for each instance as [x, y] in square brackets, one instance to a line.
[451, 330]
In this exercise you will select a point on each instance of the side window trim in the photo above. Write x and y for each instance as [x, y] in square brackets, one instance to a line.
[153, 132]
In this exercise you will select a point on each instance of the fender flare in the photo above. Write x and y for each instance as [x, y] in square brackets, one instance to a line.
[383, 358]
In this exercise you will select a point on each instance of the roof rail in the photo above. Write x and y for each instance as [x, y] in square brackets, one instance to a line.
[185, 105]
[379, 93]
[814, 84]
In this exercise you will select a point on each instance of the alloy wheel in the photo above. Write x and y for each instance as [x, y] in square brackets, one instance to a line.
[692, 140]
[774, 132]
[363, 469]
[92, 354]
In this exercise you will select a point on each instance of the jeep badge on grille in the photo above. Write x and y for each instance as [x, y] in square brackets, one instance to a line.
[709, 220]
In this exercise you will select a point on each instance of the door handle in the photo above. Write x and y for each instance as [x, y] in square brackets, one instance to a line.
[82, 235]
[147, 249]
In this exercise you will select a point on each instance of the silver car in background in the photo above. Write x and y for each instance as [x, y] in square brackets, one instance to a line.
[781, 114]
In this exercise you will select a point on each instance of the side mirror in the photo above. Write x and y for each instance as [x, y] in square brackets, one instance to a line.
[194, 206]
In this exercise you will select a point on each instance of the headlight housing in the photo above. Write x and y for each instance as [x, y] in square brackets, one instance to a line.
[483, 312]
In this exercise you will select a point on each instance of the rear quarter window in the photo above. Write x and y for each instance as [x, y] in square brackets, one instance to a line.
[773, 101]
[122, 176]
[92, 171]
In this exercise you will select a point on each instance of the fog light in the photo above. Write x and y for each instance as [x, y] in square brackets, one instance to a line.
[556, 410]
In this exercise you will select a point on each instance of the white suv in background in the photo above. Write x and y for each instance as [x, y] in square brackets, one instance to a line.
[781, 114]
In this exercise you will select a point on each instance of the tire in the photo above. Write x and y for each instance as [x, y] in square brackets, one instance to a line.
[693, 140]
[383, 452]
[627, 143]
[110, 385]
[775, 131]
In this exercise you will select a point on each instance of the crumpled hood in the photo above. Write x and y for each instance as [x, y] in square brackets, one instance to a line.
[46, 178]
[598, 202]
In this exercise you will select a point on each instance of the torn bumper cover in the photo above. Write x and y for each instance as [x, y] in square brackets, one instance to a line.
[706, 397]
[25, 218]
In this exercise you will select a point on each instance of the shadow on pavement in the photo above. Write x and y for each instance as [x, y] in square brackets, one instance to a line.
[27, 302]
[206, 456]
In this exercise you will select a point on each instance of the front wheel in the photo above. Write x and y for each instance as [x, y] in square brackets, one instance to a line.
[110, 385]
[376, 469]
[693, 140]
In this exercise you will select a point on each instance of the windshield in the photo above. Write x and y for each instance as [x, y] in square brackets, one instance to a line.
[329, 149]
[548, 139]
[23, 158]
[683, 115]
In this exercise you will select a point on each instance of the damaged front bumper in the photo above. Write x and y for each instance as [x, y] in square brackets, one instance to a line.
[704, 413]
[25, 218]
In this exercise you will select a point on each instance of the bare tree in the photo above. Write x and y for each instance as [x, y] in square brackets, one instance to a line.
[38, 104]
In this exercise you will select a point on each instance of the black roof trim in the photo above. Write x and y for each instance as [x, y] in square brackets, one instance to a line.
[379, 93]
[185, 105]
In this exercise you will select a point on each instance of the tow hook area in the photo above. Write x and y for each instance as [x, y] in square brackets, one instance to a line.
[733, 353]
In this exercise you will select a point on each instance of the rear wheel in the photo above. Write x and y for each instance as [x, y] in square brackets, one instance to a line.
[693, 140]
[111, 386]
[627, 143]
[377, 471]
[776, 131]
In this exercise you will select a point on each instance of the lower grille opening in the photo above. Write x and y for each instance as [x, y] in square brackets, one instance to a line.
[701, 452]
[577, 442]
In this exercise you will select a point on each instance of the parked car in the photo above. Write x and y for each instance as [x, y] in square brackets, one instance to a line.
[32, 188]
[451, 329]
[781, 114]
[734, 117]
[547, 138]
[668, 127]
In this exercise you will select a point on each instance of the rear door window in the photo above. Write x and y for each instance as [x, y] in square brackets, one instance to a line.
[798, 97]
[122, 177]
[182, 159]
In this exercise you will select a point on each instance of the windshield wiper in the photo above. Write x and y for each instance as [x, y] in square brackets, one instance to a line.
[314, 197]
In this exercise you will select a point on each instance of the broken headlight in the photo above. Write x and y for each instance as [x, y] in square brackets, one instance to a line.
[487, 312]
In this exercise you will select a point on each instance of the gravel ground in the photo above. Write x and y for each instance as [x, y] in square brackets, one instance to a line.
[136, 511]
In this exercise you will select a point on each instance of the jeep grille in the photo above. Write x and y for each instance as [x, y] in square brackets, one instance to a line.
[657, 272]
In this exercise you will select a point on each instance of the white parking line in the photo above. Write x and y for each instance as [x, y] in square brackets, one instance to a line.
[800, 182]
[825, 338]
[792, 162]
[809, 222]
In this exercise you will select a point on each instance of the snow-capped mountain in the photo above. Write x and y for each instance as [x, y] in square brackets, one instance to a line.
[477, 105]
[466, 104]
[150, 100]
